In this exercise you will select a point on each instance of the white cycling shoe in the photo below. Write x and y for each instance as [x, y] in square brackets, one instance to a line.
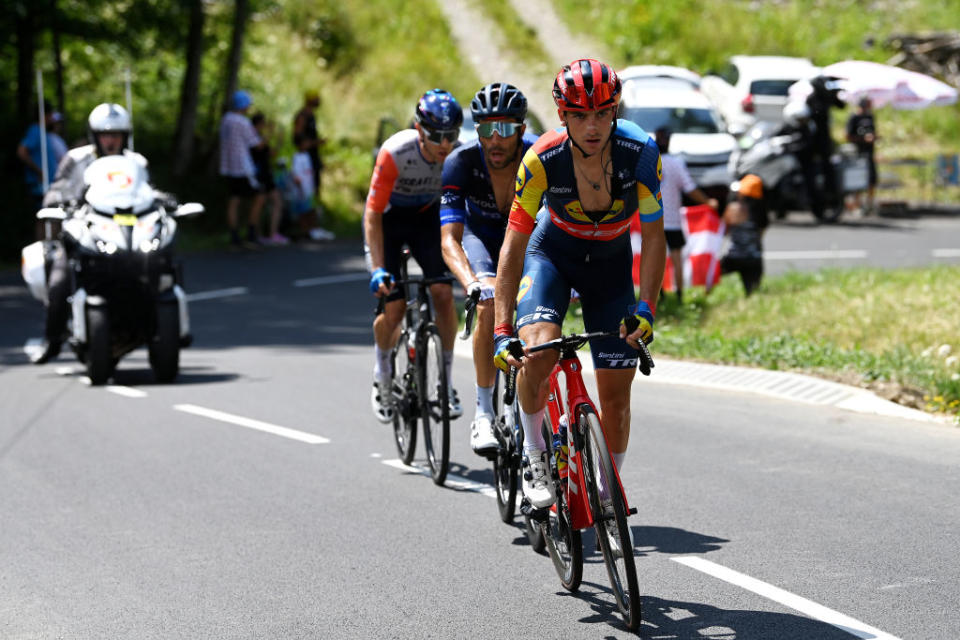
[381, 401]
[537, 485]
[482, 438]
[453, 402]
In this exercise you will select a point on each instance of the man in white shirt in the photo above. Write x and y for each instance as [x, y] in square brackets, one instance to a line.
[676, 182]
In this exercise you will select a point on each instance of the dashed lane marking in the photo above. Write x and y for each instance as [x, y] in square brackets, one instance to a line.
[453, 481]
[946, 253]
[787, 599]
[127, 392]
[218, 293]
[829, 254]
[347, 277]
[249, 423]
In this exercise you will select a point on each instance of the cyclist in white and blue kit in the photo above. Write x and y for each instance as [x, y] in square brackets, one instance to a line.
[478, 189]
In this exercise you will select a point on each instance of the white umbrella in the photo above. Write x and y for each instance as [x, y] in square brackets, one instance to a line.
[883, 84]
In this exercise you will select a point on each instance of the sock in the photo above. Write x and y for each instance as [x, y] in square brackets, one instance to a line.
[381, 368]
[618, 459]
[448, 361]
[484, 400]
[532, 430]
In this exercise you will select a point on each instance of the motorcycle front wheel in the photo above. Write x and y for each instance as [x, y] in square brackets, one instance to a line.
[99, 356]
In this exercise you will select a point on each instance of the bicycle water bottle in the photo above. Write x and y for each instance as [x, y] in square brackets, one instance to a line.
[412, 346]
[560, 446]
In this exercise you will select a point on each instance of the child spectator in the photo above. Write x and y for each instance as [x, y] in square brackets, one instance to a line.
[303, 209]
[263, 162]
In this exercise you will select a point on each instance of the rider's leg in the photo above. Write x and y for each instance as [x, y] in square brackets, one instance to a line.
[442, 295]
[533, 381]
[483, 354]
[386, 331]
[613, 389]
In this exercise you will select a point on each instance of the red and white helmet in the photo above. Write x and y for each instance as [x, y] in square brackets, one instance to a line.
[586, 85]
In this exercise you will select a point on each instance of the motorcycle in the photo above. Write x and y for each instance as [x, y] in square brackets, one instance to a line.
[126, 288]
[765, 151]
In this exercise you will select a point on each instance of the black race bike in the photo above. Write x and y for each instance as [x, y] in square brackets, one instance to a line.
[420, 389]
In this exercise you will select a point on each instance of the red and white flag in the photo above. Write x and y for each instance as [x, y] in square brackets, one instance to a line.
[704, 231]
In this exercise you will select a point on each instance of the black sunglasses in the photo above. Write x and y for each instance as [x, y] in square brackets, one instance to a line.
[438, 136]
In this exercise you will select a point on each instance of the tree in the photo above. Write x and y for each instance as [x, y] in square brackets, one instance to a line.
[189, 93]
[241, 14]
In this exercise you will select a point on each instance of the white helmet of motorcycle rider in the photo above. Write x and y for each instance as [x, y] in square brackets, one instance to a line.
[795, 112]
[108, 128]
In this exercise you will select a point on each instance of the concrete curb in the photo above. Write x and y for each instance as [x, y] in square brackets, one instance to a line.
[785, 385]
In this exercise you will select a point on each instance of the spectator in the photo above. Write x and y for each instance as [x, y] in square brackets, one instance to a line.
[30, 153]
[862, 131]
[55, 136]
[821, 99]
[237, 138]
[676, 182]
[304, 208]
[306, 138]
[263, 158]
[745, 253]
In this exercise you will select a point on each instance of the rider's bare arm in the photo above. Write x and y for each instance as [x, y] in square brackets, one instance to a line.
[451, 237]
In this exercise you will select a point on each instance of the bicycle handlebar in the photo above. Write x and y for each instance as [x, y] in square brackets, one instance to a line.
[470, 308]
[577, 340]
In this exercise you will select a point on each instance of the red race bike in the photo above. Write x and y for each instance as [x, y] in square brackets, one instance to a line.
[588, 488]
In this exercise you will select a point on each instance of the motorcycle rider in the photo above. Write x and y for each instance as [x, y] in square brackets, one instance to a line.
[824, 96]
[108, 129]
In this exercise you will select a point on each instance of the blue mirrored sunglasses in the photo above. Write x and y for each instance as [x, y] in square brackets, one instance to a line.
[438, 136]
[504, 127]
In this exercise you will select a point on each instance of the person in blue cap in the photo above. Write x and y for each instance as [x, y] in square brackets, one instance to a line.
[237, 137]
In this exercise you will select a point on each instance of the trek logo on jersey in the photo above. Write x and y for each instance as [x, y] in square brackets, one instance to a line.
[522, 177]
[659, 168]
[525, 283]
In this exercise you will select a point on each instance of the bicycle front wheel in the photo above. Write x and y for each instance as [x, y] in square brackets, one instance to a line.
[406, 401]
[610, 517]
[563, 541]
[506, 463]
[436, 407]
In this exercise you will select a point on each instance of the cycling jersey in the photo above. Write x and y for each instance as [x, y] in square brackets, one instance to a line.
[405, 191]
[468, 199]
[402, 177]
[547, 172]
[468, 196]
[589, 251]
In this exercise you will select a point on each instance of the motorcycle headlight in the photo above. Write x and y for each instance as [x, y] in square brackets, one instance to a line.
[149, 245]
[108, 248]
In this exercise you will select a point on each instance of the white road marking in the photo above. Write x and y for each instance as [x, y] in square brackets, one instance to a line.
[347, 277]
[452, 481]
[129, 392]
[804, 606]
[218, 293]
[946, 253]
[293, 434]
[831, 254]
[67, 371]
[376, 455]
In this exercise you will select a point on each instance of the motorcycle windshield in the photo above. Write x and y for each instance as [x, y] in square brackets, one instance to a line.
[118, 184]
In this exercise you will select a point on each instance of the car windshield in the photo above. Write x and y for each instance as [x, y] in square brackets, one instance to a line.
[770, 87]
[677, 119]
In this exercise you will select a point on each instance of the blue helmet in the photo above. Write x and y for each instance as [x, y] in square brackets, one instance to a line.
[439, 110]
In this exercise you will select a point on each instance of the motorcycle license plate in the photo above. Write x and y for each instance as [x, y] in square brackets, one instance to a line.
[125, 219]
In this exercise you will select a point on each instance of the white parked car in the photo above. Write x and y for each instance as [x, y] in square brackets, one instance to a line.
[752, 88]
[661, 72]
[698, 132]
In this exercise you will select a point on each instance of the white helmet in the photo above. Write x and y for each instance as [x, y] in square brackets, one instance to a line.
[109, 117]
[795, 111]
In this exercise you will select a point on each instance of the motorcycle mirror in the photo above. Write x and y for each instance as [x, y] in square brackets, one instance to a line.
[189, 209]
[51, 213]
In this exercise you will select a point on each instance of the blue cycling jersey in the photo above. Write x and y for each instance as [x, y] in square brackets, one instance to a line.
[468, 196]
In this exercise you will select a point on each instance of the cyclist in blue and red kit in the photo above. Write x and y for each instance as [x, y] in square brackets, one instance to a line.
[403, 208]
[594, 175]
[478, 189]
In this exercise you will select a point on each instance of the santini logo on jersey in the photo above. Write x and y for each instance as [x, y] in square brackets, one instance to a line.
[617, 360]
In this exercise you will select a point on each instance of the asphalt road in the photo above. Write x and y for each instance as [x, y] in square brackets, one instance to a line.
[256, 497]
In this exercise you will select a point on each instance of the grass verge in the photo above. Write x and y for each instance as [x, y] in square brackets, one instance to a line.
[892, 331]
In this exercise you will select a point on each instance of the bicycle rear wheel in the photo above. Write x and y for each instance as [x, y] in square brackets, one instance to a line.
[562, 540]
[610, 517]
[506, 463]
[436, 408]
[406, 401]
